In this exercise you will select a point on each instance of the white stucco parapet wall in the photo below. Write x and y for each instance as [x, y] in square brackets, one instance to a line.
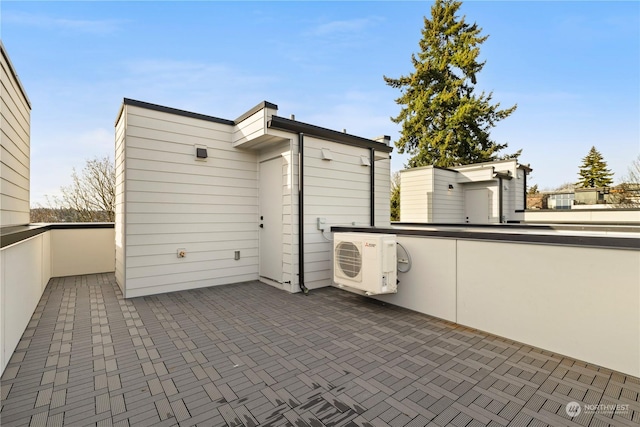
[31, 255]
[566, 292]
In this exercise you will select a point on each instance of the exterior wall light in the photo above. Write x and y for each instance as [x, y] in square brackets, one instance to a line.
[450, 186]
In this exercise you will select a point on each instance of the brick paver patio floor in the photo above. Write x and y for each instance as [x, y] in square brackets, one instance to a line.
[249, 354]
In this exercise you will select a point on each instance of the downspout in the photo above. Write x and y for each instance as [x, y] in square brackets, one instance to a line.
[525, 189]
[500, 200]
[303, 288]
[372, 191]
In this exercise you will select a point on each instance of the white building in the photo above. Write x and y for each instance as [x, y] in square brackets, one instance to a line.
[15, 110]
[479, 193]
[204, 201]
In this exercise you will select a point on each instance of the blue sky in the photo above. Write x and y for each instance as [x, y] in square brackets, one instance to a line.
[573, 68]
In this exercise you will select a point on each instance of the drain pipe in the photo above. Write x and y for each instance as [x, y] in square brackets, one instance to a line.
[303, 288]
[524, 173]
[500, 199]
[372, 191]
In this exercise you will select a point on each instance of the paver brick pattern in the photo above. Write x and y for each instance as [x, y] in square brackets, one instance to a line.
[251, 355]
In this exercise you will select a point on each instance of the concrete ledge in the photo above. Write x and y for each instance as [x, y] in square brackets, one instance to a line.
[16, 234]
[531, 234]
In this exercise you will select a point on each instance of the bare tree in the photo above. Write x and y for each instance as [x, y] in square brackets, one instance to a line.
[627, 194]
[91, 196]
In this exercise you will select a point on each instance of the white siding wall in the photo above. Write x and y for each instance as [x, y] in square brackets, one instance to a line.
[337, 190]
[475, 175]
[252, 127]
[173, 201]
[415, 186]
[448, 204]
[120, 206]
[383, 191]
[15, 113]
[518, 192]
[508, 198]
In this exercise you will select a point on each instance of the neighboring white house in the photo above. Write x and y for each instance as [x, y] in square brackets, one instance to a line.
[479, 193]
[204, 201]
[15, 110]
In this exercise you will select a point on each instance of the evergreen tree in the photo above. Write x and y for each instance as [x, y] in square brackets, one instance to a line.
[444, 123]
[395, 196]
[593, 172]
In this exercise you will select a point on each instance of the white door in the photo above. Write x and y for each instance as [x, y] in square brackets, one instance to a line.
[476, 206]
[270, 188]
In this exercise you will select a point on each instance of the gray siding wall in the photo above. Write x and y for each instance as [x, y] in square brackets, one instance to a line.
[15, 112]
[416, 186]
[174, 201]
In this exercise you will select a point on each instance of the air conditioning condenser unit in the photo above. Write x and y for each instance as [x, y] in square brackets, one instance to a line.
[366, 262]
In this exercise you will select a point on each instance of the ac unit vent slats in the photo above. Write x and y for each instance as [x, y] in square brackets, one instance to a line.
[348, 259]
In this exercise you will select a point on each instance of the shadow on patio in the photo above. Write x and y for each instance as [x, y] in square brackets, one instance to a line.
[248, 354]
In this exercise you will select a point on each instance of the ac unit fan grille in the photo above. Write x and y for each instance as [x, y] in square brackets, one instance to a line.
[349, 259]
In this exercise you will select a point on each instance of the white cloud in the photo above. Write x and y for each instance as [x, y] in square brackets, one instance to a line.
[105, 26]
[344, 27]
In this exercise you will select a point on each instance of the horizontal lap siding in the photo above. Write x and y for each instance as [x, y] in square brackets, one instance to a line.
[517, 192]
[447, 205]
[120, 205]
[337, 190]
[14, 155]
[250, 128]
[174, 201]
[475, 175]
[383, 192]
[415, 187]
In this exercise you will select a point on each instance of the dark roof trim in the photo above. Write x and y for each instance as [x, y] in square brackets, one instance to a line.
[442, 168]
[261, 106]
[161, 108]
[12, 69]
[515, 226]
[176, 111]
[503, 175]
[16, 234]
[323, 133]
[544, 239]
